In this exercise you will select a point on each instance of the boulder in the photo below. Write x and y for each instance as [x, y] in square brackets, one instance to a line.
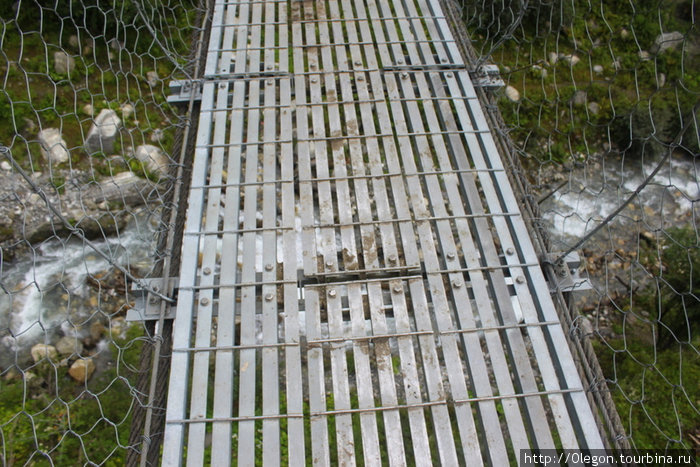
[598, 69]
[41, 351]
[63, 63]
[82, 369]
[152, 158]
[103, 132]
[53, 147]
[667, 41]
[124, 187]
[69, 345]
[512, 94]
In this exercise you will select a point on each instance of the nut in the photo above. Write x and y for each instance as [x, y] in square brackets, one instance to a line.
[269, 297]
[510, 251]
[398, 288]
[206, 271]
[450, 256]
[520, 280]
[204, 301]
[456, 283]
[332, 293]
[268, 267]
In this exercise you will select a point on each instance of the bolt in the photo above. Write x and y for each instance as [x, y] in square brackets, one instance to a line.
[449, 75]
[450, 256]
[204, 301]
[520, 280]
[329, 263]
[358, 62]
[270, 81]
[206, 271]
[392, 258]
[313, 80]
[399, 61]
[269, 297]
[156, 288]
[153, 300]
[457, 283]
[222, 85]
[269, 67]
[398, 288]
[404, 75]
[268, 267]
[443, 60]
[360, 78]
[510, 251]
[332, 293]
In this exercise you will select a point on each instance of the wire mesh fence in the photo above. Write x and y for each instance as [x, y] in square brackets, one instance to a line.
[600, 104]
[600, 107]
[90, 163]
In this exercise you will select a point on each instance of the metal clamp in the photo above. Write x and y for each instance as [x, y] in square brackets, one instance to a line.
[565, 272]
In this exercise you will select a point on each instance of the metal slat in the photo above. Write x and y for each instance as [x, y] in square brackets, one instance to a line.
[248, 375]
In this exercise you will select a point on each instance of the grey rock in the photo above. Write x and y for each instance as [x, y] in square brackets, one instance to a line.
[667, 41]
[594, 108]
[63, 63]
[579, 98]
[69, 345]
[152, 78]
[53, 147]
[153, 158]
[512, 94]
[4, 165]
[103, 132]
[125, 187]
[598, 69]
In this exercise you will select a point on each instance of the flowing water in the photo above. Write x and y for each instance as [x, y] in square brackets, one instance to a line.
[46, 294]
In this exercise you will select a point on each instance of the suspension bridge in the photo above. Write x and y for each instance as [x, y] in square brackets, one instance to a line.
[358, 283]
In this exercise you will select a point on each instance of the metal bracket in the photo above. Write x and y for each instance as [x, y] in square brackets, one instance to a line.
[181, 91]
[487, 77]
[147, 306]
[566, 273]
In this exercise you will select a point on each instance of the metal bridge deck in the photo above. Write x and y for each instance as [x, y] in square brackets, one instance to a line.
[357, 281]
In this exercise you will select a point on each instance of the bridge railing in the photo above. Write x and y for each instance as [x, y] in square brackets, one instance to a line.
[598, 110]
[91, 165]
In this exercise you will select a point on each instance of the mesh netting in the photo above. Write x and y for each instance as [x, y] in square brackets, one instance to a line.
[90, 157]
[600, 101]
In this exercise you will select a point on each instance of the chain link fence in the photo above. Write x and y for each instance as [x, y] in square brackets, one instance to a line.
[90, 171]
[599, 104]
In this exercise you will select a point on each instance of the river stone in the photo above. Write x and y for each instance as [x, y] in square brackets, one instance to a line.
[667, 41]
[4, 165]
[63, 64]
[96, 330]
[103, 132]
[53, 147]
[152, 78]
[125, 187]
[512, 94]
[69, 345]
[41, 351]
[598, 69]
[152, 158]
[82, 369]
[553, 58]
[579, 98]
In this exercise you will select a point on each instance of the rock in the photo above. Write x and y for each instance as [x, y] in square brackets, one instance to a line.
[41, 351]
[661, 80]
[152, 158]
[598, 69]
[124, 187]
[114, 44]
[553, 58]
[87, 50]
[68, 345]
[157, 135]
[82, 369]
[667, 41]
[4, 165]
[63, 64]
[617, 65]
[571, 59]
[594, 108]
[579, 98]
[152, 78]
[127, 110]
[103, 132]
[117, 326]
[96, 330]
[73, 41]
[53, 147]
[512, 94]
[644, 55]
[88, 109]
[624, 33]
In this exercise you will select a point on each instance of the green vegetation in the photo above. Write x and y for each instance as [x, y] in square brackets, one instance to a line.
[623, 93]
[45, 415]
[654, 363]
